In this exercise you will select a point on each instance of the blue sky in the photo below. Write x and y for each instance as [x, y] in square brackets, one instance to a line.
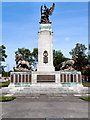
[20, 26]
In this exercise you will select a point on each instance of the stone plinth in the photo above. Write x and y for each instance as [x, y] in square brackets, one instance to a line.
[45, 49]
[56, 77]
[62, 78]
[50, 77]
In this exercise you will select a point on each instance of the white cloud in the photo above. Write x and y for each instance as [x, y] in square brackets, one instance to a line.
[67, 38]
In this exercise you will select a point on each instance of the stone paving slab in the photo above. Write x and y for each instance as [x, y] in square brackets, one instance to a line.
[44, 107]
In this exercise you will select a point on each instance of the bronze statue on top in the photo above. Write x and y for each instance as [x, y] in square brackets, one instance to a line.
[45, 13]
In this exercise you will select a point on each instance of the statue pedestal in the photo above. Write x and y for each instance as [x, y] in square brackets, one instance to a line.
[45, 77]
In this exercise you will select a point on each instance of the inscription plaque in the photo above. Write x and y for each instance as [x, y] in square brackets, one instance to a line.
[75, 78]
[71, 78]
[26, 78]
[11, 78]
[23, 78]
[19, 78]
[16, 78]
[30, 78]
[68, 78]
[79, 80]
[45, 60]
[61, 78]
[64, 78]
[45, 78]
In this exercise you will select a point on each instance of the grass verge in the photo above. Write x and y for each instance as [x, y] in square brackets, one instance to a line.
[4, 84]
[85, 98]
[5, 99]
[86, 83]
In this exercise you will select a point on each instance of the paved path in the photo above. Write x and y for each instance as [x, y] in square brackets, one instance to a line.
[45, 107]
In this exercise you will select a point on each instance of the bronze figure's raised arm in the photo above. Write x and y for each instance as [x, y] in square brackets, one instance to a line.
[45, 13]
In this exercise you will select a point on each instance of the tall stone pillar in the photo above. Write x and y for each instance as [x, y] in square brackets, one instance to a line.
[45, 49]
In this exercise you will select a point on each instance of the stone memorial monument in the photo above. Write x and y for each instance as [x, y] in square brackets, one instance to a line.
[45, 42]
[45, 71]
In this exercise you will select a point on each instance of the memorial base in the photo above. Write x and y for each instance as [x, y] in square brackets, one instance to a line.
[65, 79]
[45, 77]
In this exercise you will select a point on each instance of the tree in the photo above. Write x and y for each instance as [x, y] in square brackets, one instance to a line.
[3, 56]
[58, 58]
[26, 53]
[79, 51]
[86, 70]
[2, 53]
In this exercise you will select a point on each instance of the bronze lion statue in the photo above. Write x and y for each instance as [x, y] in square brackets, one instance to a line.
[69, 63]
[21, 65]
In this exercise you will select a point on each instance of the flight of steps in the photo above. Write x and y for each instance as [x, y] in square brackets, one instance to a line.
[45, 89]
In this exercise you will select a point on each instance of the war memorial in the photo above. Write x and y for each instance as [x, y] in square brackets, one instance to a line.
[46, 76]
[45, 94]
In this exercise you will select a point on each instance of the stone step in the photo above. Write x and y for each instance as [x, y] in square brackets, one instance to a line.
[44, 89]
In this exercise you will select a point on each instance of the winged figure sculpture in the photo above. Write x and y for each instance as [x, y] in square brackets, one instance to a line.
[45, 13]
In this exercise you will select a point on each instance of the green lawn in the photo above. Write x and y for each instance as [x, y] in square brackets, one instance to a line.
[86, 84]
[5, 99]
[4, 84]
[85, 98]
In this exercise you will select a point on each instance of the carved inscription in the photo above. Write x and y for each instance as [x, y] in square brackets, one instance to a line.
[45, 78]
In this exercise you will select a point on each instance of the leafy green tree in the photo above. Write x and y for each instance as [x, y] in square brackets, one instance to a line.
[79, 51]
[35, 54]
[3, 56]
[58, 58]
[86, 70]
[2, 53]
[26, 53]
